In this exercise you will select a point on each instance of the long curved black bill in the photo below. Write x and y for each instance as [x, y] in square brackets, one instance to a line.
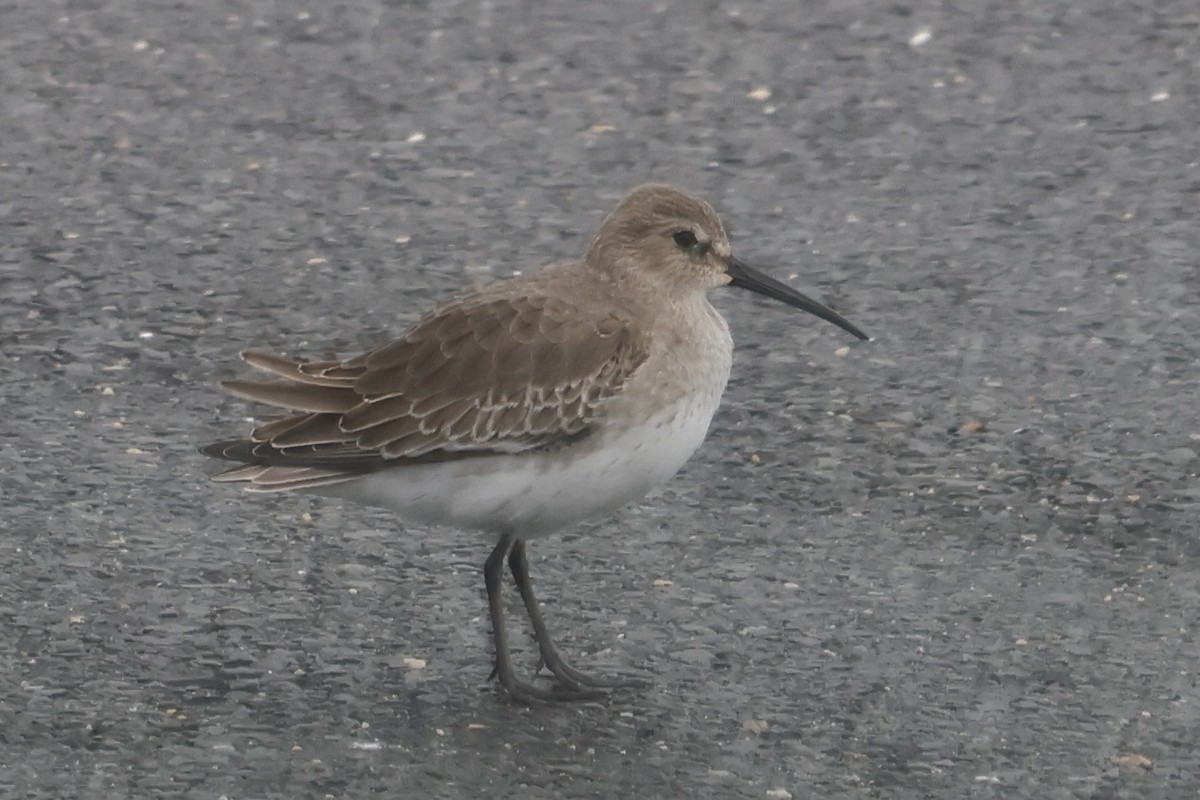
[745, 277]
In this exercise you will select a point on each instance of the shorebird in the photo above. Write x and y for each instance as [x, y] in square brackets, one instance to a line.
[524, 406]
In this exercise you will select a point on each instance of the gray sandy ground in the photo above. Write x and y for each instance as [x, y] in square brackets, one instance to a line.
[957, 561]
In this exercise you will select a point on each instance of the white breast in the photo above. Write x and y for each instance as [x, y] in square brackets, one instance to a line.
[647, 433]
[532, 494]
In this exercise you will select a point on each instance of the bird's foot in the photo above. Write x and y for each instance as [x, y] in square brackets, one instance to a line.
[569, 676]
[527, 693]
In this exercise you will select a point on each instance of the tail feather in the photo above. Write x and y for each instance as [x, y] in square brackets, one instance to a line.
[283, 479]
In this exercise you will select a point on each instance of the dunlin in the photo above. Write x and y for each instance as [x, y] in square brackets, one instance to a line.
[524, 406]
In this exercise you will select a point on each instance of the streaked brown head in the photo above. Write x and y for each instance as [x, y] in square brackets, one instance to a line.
[666, 235]
[675, 242]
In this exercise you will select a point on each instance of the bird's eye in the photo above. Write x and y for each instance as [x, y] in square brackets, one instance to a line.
[685, 239]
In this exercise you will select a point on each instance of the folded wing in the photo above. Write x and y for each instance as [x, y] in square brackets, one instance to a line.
[481, 375]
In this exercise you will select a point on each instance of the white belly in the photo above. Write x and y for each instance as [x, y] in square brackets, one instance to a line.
[537, 493]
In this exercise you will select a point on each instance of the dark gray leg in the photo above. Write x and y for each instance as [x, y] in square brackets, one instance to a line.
[566, 674]
[493, 573]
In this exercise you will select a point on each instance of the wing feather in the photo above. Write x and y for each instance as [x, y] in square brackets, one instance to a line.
[295, 396]
[311, 372]
[505, 370]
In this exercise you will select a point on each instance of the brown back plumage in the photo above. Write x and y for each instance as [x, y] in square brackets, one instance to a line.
[507, 369]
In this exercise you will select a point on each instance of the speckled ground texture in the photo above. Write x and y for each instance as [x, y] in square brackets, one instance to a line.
[958, 561]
